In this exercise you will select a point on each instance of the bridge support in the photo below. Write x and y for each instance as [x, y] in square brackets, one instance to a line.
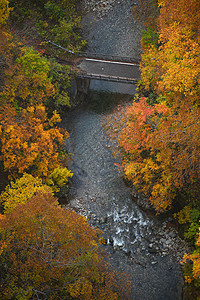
[79, 86]
[83, 85]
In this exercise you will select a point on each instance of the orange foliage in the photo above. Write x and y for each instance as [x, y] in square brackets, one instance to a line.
[30, 142]
[183, 13]
[161, 151]
[173, 70]
[48, 251]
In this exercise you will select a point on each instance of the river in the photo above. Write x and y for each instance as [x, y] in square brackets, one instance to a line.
[136, 242]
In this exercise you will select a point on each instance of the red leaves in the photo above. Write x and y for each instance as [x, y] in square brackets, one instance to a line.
[161, 149]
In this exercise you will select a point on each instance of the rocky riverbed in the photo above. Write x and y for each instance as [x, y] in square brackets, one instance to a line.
[109, 28]
[165, 242]
[100, 7]
[146, 248]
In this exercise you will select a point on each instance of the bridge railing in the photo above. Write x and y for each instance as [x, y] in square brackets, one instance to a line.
[108, 57]
[108, 78]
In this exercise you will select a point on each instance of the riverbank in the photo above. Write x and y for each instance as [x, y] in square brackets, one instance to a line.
[146, 248]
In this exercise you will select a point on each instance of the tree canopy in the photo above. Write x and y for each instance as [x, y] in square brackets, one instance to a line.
[48, 251]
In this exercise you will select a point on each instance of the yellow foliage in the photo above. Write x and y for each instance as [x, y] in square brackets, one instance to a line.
[150, 67]
[4, 11]
[54, 119]
[183, 216]
[58, 178]
[81, 289]
[188, 279]
[20, 191]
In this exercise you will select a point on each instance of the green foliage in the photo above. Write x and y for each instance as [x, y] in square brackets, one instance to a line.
[194, 215]
[66, 34]
[61, 81]
[27, 80]
[149, 37]
[53, 11]
[192, 229]
[54, 20]
[21, 11]
[32, 79]
[193, 289]
[192, 262]
[33, 65]
[184, 216]
[191, 233]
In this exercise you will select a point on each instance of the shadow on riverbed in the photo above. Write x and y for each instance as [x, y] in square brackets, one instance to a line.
[99, 192]
[104, 102]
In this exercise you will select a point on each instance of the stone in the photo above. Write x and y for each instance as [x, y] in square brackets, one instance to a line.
[168, 242]
[162, 240]
[172, 234]
[103, 220]
[152, 250]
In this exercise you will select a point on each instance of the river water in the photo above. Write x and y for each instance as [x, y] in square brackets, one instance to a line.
[98, 189]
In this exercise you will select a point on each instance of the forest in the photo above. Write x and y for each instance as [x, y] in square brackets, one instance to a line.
[47, 251]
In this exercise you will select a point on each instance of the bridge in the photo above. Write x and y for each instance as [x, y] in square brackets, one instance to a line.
[111, 70]
[105, 67]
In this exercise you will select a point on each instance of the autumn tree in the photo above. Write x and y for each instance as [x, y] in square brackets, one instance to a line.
[31, 79]
[64, 34]
[20, 191]
[171, 70]
[53, 20]
[183, 14]
[160, 150]
[49, 252]
[191, 262]
[4, 14]
[30, 142]
[27, 80]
